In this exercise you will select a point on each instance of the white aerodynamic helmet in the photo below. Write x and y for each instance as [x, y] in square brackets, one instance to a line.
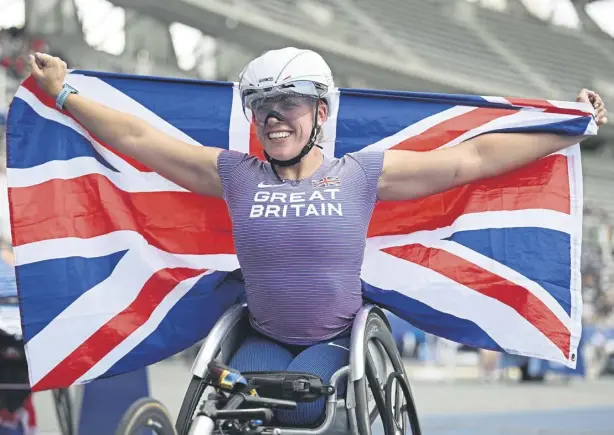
[300, 71]
[286, 84]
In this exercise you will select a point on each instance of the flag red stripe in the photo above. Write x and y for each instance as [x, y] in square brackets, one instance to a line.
[206, 224]
[31, 85]
[547, 106]
[90, 206]
[255, 147]
[543, 184]
[451, 129]
[116, 330]
[482, 281]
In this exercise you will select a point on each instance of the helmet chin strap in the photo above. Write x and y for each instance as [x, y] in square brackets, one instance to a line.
[293, 161]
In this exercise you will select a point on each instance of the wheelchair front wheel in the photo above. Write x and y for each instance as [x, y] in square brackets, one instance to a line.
[146, 413]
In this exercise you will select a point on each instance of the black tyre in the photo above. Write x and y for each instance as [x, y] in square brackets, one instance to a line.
[404, 414]
[64, 411]
[191, 400]
[146, 413]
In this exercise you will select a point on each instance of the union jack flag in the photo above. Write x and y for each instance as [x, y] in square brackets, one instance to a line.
[118, 268]
[326, 182]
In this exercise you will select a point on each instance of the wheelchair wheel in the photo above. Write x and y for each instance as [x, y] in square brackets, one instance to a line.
[63, 411]
[386, 381]
[146, 413]
[191, 400]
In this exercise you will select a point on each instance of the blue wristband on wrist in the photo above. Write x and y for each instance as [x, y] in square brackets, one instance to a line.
[64, 93]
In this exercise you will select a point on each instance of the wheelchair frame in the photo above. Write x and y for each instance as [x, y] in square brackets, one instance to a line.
[373, 355]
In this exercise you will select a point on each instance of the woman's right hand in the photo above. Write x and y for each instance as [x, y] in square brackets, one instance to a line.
[49, 72]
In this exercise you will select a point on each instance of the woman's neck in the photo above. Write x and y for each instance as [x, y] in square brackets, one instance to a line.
[303, 169]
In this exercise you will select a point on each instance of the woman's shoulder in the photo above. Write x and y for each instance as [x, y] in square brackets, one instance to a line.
[230, 160]
[366, 160]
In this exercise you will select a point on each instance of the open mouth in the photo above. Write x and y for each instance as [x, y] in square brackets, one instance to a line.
[279, 135]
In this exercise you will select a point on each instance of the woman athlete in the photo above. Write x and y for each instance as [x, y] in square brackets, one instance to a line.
[288, 228]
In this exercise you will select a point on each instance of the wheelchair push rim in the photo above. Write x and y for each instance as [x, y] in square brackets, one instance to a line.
[386, 380]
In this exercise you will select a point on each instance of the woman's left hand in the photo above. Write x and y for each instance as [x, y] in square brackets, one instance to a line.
[592, 98]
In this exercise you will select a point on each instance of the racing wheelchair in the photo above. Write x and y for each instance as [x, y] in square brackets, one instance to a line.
[222, 400]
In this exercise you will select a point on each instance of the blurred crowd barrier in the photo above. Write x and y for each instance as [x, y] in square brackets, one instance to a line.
[15, 46]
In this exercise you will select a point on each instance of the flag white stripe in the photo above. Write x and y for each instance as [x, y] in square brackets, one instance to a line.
[547, 219]
[110, 243]
[129, 179]
[449, 297]
[134, 339]
[505, 272]
[574, 169]
[82, 166]
[101, 92]
[107, 244]
[499, 100]
[573, 105]
[81, 319]
[478, 221]
[520, 119]
[53, 115]
[418, 128]
[88, 313]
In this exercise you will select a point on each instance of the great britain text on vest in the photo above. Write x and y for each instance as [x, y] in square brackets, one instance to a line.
[280, 205]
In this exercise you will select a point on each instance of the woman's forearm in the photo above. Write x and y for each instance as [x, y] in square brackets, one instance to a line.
[498, 153]
[189, 166]
[117, 129]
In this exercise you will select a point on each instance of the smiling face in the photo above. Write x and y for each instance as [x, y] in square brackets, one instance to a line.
[283, 138]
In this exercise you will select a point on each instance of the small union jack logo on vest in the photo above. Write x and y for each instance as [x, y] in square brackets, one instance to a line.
[326, 182]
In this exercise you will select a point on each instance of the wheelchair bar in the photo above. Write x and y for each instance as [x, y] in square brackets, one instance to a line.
[215, 338]
[331, 409]
[357, 345]
[226, 414]
[272, 403]
[14, 387]
[334, 379]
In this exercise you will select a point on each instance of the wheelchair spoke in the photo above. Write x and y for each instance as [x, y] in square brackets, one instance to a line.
[397, 407]
[378, 393]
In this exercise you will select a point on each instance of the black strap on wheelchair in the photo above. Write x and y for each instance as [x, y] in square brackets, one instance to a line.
[300, 387]
[296, 386]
